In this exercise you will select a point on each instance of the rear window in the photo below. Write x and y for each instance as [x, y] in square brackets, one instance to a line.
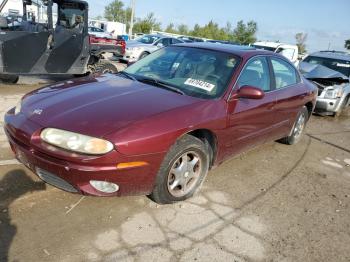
[341, 66]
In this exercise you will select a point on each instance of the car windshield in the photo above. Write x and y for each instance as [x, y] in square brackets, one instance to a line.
[195, 72]
[268, 48]
[147, 39]
[341, 66]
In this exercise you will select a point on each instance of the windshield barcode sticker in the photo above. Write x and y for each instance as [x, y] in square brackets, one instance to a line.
[200, 84]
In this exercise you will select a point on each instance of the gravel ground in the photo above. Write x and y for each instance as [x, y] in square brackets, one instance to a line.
[274, 203]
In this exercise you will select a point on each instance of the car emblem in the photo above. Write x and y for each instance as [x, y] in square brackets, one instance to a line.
[37, 111]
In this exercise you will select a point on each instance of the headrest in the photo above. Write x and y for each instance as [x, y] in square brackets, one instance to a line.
[3, 22]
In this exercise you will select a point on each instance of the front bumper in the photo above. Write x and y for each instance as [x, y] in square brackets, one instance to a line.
[75, 175]
[327, 105]
[131, 56]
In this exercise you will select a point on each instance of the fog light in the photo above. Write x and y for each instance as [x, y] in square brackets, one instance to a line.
[105, 187]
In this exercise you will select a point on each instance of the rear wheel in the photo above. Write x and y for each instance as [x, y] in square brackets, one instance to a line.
[182, 172]
[9, 79]
[103, 67]
[298, 128]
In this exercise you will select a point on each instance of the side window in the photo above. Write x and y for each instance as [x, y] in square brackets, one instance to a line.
[165, 41]
[256, 73]
[285, 74]
[175, 41]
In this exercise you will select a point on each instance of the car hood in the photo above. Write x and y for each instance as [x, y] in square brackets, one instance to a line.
[98, 106]
[315, 72]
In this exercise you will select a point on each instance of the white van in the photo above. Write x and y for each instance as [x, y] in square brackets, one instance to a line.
[289, 51]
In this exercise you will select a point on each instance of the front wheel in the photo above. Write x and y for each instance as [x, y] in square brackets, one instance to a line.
[298, 128]
[182, 172]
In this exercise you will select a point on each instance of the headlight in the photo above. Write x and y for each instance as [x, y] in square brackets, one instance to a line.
[76, 142]
[335, 92]
[18, 107]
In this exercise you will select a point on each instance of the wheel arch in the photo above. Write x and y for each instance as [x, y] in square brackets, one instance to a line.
[310, 108]
[210, 139]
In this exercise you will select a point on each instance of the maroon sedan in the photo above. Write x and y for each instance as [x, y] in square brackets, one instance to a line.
[158, 127]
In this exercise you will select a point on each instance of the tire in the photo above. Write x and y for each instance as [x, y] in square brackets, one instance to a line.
[104, 67]
[143, 55]
[182, 171]
[9, 79]
[298, 128]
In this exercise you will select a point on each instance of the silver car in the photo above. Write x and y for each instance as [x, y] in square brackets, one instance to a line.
[330, 71]
[146, 44]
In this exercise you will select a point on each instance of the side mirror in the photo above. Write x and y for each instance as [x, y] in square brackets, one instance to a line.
[250, 92]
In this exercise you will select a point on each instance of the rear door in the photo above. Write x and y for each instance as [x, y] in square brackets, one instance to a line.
[290, 95]
[251, 121]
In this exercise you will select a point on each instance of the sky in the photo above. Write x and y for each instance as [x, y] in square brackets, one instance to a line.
[327, 22]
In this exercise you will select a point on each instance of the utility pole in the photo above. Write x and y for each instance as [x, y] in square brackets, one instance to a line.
[132, 17]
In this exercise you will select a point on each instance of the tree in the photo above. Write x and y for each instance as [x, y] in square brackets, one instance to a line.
[301, 40]
[115, 11]
[347, 44]
[171, 29]
[183, 29]
[245, 33]
[147, 24]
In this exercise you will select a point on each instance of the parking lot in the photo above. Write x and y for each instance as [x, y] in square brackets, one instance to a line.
[274, 203]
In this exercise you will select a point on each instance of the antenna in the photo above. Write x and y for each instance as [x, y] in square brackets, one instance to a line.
[132, 17]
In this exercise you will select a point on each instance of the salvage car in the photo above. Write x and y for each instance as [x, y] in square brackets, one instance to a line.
[330, 71]
[146, 44]
[157, 127]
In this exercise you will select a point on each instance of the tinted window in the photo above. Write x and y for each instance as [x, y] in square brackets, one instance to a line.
[256, 73]
[197, 72]
[285, 74]
[147, 39]
[164, 41]
[175, 41]
[338, 65]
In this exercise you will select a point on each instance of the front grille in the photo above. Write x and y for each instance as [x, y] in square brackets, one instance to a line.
[55, 180]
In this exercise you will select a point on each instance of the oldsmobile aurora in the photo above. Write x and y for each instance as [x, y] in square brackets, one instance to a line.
[159, 126]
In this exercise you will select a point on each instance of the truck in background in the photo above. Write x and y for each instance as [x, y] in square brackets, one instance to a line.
[289, 51]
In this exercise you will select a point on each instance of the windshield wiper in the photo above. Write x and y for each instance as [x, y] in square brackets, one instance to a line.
[127, 75]
[161, 84]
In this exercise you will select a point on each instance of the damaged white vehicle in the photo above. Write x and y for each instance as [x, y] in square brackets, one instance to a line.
[330, 71]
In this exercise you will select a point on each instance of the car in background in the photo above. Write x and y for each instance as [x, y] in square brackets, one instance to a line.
[98, 32]
[330, 71]
[157, 127]
[147, 44]
[190, 39]
[289, 51]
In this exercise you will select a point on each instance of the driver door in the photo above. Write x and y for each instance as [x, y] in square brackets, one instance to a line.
[250, 121]
[68, 55]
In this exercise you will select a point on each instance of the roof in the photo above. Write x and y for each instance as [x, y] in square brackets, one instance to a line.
[333, 54]
[233, 49]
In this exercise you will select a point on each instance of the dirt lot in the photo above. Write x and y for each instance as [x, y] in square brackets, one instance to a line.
[275, 203]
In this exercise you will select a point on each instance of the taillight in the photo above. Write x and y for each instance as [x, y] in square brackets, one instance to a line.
[123, 44]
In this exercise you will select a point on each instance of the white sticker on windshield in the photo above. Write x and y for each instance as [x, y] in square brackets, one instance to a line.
[343, 65]
[200, 84]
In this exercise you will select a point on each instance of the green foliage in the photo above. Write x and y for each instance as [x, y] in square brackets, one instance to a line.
[300, 41]
[147, 24]
[115, 11]
[243, 33]
[347, 44]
